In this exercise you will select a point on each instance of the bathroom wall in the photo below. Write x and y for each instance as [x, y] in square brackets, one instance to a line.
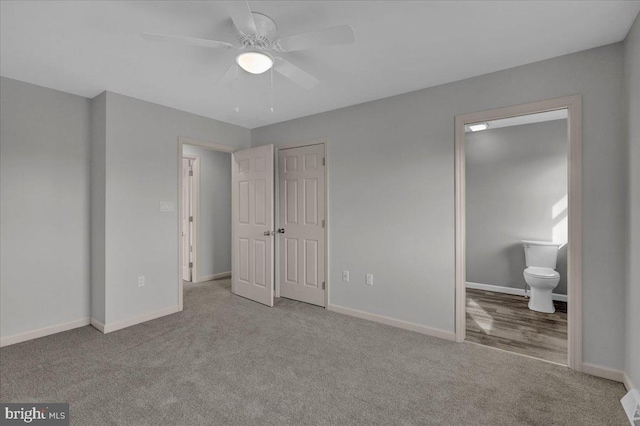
[516, 190]
[214, 243]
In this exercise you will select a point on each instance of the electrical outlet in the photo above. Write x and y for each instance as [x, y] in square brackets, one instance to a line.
[167, 206]
[345, 276]
[369, 279]
[141, 281]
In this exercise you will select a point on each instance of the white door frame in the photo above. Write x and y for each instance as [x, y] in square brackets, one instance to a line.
[324, 142]
[195, 212]
[202, 144]
[573, 104]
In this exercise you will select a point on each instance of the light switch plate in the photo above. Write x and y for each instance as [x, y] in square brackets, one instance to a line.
[141, 281]
[369, 279]
[345, 276]
[167, 206]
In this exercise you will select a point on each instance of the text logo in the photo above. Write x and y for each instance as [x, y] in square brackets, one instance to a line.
[45, 414]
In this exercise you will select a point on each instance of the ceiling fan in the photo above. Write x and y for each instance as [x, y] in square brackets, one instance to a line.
[259, 45]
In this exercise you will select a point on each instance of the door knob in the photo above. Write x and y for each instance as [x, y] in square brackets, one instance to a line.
[267, 233]
[281, 231]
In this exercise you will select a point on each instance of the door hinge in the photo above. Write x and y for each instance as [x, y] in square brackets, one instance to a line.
[324, 223]
[190, 248]
[190, 218]
[190, 264]
[323, 285]
[324, 161]
[190, 172]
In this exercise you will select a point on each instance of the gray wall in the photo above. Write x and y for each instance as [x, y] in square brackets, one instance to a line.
[214, 239]
[44, 207]
[141, 170]
[632, 77]
[515, 175]
[391, 191]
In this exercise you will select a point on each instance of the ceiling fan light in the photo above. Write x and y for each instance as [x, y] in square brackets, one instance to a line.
[254, 62]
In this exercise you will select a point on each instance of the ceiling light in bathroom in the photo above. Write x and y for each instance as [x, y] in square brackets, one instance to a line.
[478, 127]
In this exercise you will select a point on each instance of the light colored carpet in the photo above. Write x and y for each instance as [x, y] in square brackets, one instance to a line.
[227, 360]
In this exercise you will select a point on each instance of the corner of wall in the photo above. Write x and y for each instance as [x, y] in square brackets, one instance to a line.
[98, 205]
[632, 208]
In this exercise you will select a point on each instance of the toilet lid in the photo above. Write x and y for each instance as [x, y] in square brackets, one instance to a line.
[537, 272]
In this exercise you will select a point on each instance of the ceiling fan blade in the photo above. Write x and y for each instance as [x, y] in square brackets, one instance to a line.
[241, 16]
[328, 37]
[295, 74]
[188, 41]
[229, 77]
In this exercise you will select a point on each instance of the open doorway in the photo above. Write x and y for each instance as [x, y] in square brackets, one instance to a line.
[518, 230]
[516, 240]
[205, 214]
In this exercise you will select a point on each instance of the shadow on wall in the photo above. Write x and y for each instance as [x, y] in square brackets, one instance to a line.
[515, 255]
[562, 268]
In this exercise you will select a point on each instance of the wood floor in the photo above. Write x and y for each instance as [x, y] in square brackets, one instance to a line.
[504, 321]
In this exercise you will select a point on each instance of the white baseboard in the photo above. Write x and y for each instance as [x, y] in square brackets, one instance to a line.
[627, 382]
[214, 276]
[442, 334]
[604, 372]
[41, 332]
[508, 290]
[97, 324]
[119, 325]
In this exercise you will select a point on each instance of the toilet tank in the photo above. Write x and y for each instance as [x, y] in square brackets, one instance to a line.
[542, 254]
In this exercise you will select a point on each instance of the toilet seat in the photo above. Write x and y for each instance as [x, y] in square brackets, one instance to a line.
[543, 273]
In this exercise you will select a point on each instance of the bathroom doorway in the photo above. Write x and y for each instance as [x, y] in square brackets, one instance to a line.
[517, 243]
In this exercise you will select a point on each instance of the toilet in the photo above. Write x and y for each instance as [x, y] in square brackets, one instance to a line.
[540, 274]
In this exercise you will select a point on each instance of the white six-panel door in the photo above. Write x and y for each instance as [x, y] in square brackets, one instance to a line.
[301, 236]
[252, 215]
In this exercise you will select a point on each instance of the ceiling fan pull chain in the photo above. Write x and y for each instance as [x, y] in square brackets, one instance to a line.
[271, 89]
[237, 108]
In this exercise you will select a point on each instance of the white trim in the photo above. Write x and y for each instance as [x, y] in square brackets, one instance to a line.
[214, 276]
[195, 212]
[604, 372]
[97, 324]
[405, 325]
[119, 325]
[627, 381]
[325, 142]
[509, 290]
[42, 332]
[203, 144]
[303, 143]
[515, 353]
[573, 104]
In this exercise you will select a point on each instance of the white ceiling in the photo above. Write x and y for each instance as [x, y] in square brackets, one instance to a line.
[85, 47]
